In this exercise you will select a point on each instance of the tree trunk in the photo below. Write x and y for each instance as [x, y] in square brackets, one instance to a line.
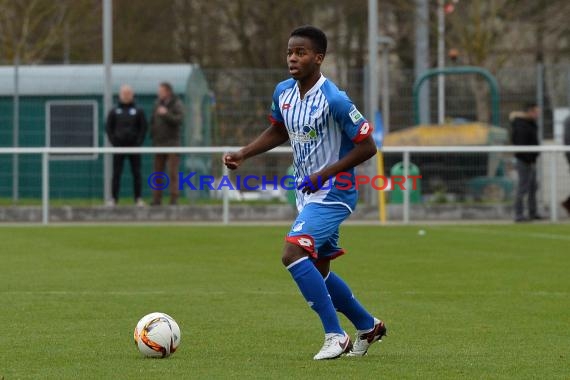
[480, 90]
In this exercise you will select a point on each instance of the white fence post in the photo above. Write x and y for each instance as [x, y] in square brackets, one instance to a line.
[406, 186]
[553, 188]
[45, 187]
[226, 197]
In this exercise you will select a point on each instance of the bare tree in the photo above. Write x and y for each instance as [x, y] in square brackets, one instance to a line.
[479, 29]
[30, 28]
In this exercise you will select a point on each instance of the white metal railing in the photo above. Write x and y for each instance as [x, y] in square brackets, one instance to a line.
[45, 152]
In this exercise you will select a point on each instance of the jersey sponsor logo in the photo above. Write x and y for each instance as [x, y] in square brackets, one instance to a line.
[355, 115]
[309, 133]
[286, 106]
[364, 129]
[133, 111]
[298, 227]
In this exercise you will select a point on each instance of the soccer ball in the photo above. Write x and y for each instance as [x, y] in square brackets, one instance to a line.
[157, 335]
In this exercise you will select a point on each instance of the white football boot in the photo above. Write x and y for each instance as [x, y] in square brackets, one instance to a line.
[335, 345]
[364, 339]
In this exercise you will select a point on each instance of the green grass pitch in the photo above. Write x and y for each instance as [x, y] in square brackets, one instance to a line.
[477, 301]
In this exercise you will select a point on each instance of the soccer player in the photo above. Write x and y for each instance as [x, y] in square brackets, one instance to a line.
[328, 136]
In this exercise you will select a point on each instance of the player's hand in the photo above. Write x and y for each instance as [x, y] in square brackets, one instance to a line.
[162, 110]
[313, 183]
[233, 160]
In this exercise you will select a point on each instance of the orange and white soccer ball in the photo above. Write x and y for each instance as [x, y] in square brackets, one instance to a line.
[157, 335]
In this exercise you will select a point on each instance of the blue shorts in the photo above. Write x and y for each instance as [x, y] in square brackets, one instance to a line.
[316, 230]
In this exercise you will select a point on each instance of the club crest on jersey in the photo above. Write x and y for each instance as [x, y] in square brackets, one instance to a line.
[355, 115]
[285, 106]
[309, 133]
[314, 112]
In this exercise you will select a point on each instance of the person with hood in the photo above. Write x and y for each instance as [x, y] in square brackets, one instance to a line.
[126, 127]
[525, 132]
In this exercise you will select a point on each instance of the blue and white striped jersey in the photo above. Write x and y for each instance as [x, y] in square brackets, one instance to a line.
[323, 127]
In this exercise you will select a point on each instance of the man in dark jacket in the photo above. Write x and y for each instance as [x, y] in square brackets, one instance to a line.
[126, 126]
[165, 131]
[566, 203]
[525, 132]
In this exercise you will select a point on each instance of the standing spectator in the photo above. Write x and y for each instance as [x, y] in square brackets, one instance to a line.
[525, 132]
[165, 131]
[126, 126]
[566, 203]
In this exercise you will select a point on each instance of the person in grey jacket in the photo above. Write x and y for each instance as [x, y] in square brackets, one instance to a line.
[566, 203]
[166, 128]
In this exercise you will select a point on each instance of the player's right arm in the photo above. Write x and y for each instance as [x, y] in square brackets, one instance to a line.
[271, 138]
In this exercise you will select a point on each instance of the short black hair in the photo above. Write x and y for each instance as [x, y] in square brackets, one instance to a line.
[317, 37]
[530, 105]
[168, 87]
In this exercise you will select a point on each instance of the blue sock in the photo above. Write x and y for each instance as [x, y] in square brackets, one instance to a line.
[313, 288]
[344, 301]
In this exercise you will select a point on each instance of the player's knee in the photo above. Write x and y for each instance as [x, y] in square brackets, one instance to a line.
[292, 253]
[323, 266]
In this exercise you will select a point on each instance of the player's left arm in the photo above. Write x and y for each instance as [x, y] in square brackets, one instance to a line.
[356, 127]
[362, 151]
